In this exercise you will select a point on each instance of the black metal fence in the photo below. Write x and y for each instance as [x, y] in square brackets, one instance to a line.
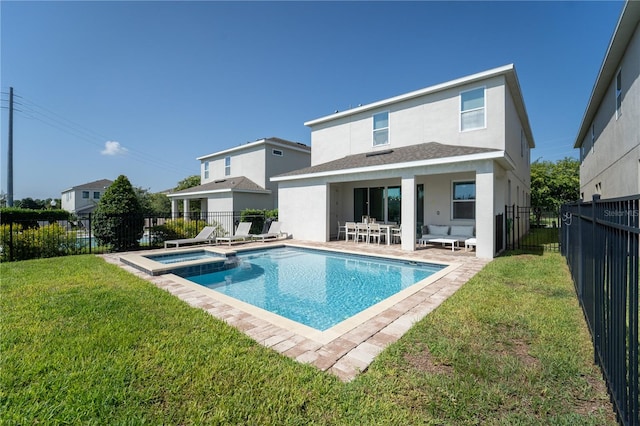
[600, 240]
[21, 240]
[534, 229]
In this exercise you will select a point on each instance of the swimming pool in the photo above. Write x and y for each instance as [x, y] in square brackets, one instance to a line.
[170, 258]
[313, 287]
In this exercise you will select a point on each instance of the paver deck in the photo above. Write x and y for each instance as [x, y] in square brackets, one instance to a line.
[352, 352]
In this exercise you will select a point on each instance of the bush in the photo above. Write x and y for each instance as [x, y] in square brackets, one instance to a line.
[257, 218]
[19, 242]
[176, 229]
[118, 220]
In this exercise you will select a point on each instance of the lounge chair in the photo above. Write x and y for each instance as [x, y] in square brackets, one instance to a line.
[207, 235]
[242, 234]
[273, 232]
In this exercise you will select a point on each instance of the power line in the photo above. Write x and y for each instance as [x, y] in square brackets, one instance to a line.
[34, 111]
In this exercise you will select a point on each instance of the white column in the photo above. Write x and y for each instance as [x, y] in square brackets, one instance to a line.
[485, 211]
[408, 214]
[185, 209]
[174, 208]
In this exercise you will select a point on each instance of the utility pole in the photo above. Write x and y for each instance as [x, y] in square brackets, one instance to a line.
[10, 153]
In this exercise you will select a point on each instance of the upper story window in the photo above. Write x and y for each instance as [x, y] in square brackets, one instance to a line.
[206, 170]
[464, 200]
[277, 152]
[96, 195]
[619, 94]
[522, 142]
[472, 109]
[227, 166]
[381, 128]
[85, 194]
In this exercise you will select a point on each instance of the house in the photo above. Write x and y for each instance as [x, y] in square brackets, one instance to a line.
[450, 154]
[238, 178]
[609, 136]
[83, 199]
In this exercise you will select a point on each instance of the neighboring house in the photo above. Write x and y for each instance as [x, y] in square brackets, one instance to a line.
[83, 199]
[609, 136]
[238, 178]
[451, 154]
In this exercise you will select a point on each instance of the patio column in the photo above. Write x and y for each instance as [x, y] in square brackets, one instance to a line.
[485, 211]
[185, 209]
[174, 208]
[408, 214]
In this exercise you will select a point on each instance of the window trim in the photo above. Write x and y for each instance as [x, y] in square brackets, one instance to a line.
[374, 130]
[96, 193]
[227, 165]
[85, 195]
[483, 108]
[453, 201]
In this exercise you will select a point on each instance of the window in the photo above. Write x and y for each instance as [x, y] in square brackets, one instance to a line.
[593, 137]
[381, 128]
[96, 195]
[277, 152]
[472, 114]
[85, 194]
[227, 166]
[206, 170]
[464, 200]
[619, 94]
[522, 142]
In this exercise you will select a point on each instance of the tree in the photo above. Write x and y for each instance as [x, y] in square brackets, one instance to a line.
[153, 204]
[553, 184]
[118, 220]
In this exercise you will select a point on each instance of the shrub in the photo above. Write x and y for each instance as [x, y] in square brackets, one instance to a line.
[118, 220]
[18, 242]
[175, 229]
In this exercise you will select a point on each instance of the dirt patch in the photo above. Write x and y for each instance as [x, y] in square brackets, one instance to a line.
[424, 361]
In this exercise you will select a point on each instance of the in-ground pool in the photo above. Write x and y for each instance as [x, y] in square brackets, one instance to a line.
[313, 287]
[168, 258]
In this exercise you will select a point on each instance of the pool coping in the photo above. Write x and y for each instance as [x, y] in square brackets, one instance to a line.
[347, 348]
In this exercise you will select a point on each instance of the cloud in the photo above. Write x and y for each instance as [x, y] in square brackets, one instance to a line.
[113, 148]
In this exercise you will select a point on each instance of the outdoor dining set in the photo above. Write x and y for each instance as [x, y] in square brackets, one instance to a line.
[369, 230]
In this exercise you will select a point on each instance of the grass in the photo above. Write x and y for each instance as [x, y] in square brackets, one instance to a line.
[84, 342]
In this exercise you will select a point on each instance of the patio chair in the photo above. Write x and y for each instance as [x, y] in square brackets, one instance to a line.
[207, 235]
[273, 232]
[242, 234]
[374, 232]
[342, 229]
[350, 231]
[396, 233]
[362, 231]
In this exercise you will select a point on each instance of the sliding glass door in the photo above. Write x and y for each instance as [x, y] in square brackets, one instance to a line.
[381, 203]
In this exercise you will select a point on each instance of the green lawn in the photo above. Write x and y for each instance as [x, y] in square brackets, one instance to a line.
[84, 342]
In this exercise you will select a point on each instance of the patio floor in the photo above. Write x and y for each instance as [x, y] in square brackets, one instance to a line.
[350, 353]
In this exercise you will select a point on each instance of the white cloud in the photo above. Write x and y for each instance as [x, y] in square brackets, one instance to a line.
[113, 148]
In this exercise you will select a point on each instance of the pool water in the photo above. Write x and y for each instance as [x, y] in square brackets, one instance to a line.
[183, 257]
[314, 287]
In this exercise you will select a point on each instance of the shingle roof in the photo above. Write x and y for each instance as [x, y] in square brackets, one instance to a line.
[102, 183]
[237, 183]
[405, 154]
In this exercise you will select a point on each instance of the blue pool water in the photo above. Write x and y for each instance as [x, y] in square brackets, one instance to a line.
[314, 287]
[183, 257]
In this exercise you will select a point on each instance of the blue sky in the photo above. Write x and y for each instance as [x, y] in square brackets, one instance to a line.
[143, 88]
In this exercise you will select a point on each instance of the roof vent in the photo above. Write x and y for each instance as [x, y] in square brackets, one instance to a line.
[373, 154]
[219, 181]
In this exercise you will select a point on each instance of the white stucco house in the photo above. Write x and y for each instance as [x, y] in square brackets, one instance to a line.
[237, 178]
[609, 136]
[83, 199]
[450, 154]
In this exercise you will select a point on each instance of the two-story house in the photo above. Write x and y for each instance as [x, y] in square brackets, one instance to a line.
[453, 153]
[609, 136]
[83, 199]
[236, 179]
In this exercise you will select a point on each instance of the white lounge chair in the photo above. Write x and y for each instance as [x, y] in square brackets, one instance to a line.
[242, 234]
[273, 232]
[207, 235]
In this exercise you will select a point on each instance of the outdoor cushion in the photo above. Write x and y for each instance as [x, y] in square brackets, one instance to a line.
[438, 230]
[461, 230]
